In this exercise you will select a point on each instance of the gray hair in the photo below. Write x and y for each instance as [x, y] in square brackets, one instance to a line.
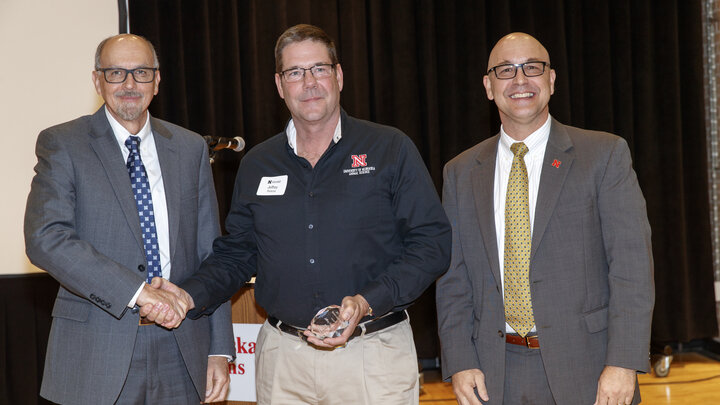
[101, 46]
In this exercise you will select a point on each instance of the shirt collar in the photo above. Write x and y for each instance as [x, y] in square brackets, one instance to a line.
[291, 133]
[121, 134]
[532, 142]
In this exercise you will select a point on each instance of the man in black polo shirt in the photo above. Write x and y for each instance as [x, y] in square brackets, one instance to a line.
[333, 210]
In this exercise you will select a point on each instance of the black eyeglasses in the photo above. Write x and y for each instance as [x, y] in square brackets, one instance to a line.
[319, 71]
[118, 75]
[509, 70]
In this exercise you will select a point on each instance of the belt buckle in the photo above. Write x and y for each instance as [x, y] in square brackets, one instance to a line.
[527, 342]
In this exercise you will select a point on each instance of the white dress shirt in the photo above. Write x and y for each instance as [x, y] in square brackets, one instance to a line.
[149, 156]
[536, 143]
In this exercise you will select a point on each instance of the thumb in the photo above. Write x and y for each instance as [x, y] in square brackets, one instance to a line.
[156, 282]
[347, 313]
[346, 309]
[481, 388]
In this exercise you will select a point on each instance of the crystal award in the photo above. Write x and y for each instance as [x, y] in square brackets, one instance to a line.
[327, 323]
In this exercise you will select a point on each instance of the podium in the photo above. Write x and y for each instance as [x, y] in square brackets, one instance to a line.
[244, 307]
[245, 310]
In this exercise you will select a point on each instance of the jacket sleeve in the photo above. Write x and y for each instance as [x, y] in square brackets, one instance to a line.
[232, 260]
[626, 237]
[51, 239]
[221, 330]
[454, 296]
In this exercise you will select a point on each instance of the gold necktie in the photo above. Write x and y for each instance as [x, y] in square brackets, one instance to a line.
[518, 305]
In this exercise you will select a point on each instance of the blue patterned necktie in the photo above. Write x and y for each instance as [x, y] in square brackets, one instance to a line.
[144, 203]
[518, 304]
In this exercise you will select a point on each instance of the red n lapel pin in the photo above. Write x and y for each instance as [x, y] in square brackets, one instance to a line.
[556, 163]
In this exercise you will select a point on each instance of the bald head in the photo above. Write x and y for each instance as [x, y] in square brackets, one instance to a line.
[124, 39]
[522, 90]
[517, 47]
[127, 95]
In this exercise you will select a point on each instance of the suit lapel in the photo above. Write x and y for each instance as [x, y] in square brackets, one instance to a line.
[105, 145]
[483, 180]
[169, 166]
[558, 159]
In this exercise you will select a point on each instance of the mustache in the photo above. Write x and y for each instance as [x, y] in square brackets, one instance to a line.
[127, 93]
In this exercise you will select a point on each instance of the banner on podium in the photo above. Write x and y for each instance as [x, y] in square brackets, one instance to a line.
[242, 371]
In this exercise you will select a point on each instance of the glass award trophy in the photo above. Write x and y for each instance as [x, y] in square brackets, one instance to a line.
[327, 323]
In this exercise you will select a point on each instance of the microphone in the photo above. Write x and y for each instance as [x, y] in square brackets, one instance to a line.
[216, 143]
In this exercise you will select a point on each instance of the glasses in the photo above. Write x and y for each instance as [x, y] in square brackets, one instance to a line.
[508, 71]
[118, 75]
[319, 71]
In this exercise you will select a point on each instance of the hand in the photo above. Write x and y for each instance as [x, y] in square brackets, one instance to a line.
[218, 379]
[167, 285]
[615, 386]
[352, 310]
[164, 303]
[464, 384]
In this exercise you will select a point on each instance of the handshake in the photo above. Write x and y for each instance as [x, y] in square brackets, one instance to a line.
[164, 303]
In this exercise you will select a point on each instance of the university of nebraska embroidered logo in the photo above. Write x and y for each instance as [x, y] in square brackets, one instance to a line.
[358, 160]
[359, 166]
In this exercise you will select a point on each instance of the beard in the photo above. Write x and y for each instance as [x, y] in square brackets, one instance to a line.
[129, 111]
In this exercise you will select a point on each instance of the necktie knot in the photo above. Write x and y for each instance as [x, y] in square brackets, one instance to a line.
[133, 143]
[519, 149]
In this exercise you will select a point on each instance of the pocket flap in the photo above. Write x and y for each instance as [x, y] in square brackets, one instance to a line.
[597, 320]
[71, 309]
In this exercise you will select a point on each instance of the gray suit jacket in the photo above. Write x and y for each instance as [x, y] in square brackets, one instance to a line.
[82, 227]
[591, 270]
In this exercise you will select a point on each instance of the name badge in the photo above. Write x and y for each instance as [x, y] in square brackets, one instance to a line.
[272, 185]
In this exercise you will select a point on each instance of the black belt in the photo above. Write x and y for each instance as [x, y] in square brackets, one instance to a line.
[370, 327]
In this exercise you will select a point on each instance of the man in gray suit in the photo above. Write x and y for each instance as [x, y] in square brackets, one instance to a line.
[549, 295]
[83, 226]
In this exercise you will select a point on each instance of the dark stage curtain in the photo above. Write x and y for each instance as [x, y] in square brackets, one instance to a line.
[25, 306]
[632, 68]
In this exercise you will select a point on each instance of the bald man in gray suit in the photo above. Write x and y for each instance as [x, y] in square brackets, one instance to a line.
[83, 226]
[561, 316]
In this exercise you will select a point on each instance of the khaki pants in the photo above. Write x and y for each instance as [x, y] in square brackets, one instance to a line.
[378, 368]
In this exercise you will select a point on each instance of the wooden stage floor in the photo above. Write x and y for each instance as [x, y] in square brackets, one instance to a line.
[693, 379]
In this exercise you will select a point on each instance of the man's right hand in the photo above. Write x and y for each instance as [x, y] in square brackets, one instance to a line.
[164, 303]
[464, 384]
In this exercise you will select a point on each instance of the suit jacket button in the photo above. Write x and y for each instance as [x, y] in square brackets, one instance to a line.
[141, 268]
[500, 333]
[135, 309]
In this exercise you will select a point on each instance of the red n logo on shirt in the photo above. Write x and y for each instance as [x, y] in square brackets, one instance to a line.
[358, 160]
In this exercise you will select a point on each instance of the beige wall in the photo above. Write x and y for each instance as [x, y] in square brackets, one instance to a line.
[46, 57]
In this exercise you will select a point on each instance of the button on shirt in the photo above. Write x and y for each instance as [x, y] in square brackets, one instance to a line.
[149, 156]
[365, 220]
[536, 143]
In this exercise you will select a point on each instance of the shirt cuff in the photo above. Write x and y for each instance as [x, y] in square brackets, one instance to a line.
[135, 297]
[229, 358]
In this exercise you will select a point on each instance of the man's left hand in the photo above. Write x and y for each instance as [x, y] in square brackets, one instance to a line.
[615, 386]
[218, 379]
[353, 309]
